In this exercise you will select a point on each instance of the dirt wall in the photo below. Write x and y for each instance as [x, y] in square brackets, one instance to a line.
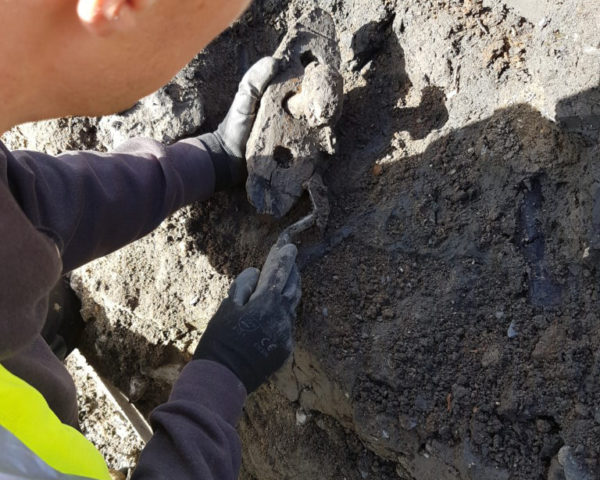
[449, 324]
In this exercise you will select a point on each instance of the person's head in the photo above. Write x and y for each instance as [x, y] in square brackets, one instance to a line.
[93, 57]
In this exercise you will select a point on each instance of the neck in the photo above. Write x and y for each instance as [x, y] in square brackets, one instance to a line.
[14, 104]
[24, 78]
[5, 124]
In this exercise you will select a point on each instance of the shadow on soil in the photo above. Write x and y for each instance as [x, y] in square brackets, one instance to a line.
[453, 279]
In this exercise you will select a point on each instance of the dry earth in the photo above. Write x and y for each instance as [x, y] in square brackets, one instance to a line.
[449, 327]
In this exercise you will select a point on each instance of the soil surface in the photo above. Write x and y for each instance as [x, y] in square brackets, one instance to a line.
[449, 326]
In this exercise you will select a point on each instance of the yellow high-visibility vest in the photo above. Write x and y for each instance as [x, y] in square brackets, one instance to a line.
[26, 415]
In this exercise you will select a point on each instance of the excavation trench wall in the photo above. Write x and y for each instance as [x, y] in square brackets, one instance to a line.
[449, 327]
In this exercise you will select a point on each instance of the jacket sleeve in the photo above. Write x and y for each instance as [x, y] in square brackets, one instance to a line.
[194, 432]
[94, 203]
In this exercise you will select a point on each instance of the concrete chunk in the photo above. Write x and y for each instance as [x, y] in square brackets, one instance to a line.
[293, 125]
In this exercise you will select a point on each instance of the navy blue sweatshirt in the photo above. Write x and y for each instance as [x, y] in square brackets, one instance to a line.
[58, 213]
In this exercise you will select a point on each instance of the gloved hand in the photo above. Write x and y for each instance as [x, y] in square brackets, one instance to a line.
[227, 146]
[251, 333]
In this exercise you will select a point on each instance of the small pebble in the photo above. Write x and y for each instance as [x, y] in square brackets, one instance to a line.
[301, 417]
[581, 410]
[407, 423]
[512, 331]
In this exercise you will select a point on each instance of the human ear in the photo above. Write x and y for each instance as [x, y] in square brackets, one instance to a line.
[103, 17]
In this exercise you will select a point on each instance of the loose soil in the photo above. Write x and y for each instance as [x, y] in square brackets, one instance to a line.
[449, 324]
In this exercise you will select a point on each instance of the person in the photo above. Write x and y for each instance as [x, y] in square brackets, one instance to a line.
[92, 57]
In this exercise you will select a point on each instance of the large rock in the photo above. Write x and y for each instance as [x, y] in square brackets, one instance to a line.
[293, 127]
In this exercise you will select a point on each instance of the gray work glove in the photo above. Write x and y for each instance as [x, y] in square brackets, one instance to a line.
[251, 333]
[227, 146]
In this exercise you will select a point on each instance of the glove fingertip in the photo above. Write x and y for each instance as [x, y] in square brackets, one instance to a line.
[261, 73]
[288, 251]
[292, 291]
[244, 285]
[270, 65]
[274, 66]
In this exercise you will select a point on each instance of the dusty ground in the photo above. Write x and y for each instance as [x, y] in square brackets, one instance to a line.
[449, 324]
